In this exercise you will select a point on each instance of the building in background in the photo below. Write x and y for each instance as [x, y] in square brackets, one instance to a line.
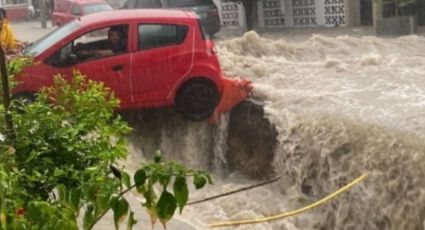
[275, 14]
[298, 13]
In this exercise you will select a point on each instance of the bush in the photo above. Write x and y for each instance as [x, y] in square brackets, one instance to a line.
[62, 163]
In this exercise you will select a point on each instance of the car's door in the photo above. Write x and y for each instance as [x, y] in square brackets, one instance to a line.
[113, 70]
[164, 55]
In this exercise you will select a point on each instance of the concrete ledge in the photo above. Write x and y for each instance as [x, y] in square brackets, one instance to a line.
[402, 25]
[251, 140]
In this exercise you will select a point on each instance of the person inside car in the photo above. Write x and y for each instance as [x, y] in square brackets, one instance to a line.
[115, 44]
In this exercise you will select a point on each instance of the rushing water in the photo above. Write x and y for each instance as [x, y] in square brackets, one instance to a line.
[342, 106]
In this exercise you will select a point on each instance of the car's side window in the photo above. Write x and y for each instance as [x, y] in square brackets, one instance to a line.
[159, 35]
[96, 44]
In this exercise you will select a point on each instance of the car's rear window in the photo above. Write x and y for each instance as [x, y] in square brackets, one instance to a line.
[159, 35]
[188, 3]
[98, 7]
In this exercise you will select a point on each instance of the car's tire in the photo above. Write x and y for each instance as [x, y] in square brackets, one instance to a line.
[197, 98]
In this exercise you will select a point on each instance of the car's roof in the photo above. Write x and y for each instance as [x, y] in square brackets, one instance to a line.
[134, 14]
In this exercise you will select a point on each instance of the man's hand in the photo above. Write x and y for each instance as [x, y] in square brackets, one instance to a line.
[21, 45]
[13, 51]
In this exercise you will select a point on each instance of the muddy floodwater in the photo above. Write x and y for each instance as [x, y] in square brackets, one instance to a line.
[342, 106]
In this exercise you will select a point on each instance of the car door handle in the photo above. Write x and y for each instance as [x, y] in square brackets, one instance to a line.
[117, 67]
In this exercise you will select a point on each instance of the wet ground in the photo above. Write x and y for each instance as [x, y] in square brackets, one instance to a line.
[30, 30]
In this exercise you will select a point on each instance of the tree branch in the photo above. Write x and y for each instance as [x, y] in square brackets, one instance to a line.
[234, 191]
[6, 96]
[104, 212]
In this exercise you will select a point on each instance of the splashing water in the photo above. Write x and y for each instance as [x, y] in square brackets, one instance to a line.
[342, 106]
[219, 163]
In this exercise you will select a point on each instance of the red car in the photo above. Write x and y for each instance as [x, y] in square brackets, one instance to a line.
[65, 11]
[162, 58]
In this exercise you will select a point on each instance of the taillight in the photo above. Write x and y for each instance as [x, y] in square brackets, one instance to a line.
[211, 47]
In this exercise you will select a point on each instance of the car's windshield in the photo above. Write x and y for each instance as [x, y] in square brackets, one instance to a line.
[52, 38]
[187, 3]
[98, 7]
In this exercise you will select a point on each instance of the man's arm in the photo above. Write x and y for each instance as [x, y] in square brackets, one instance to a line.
[96, 53]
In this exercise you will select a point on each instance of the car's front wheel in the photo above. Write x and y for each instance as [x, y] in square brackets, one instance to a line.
[197, 98]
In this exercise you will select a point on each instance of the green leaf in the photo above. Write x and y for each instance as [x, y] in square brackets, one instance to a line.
[74, 199]
[150, 197]
[131, 221]
[33, 211]
[181, 192]
[209, 179]
[39, 212]
[62, 193]
[126, 179]
[140, 177]
[113, 202]
[60, 224]
[199, 181]
[166, 205]
[154, 177]
[157, 157]
[90, 191]
[70, 224]
[102, 203]
[164, 179]
[88, 217]
[120, 209]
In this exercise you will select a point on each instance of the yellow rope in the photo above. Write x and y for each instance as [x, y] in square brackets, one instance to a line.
[295, 212]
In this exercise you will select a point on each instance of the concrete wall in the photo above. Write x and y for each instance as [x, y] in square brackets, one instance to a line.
[300, 13]
[402, 25]
[352, 14]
